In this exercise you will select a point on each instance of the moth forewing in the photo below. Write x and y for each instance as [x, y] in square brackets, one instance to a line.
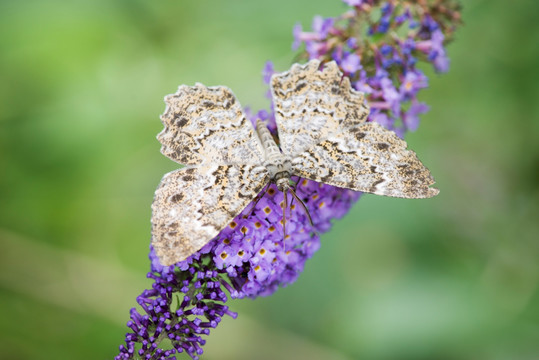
[311, 104]
[366, 158]
[207, 125]
[206, 129]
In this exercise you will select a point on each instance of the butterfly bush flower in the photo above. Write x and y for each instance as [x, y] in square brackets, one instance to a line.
[378, 45]
[389, 38]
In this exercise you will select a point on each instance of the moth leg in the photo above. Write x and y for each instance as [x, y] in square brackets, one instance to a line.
[295, 196]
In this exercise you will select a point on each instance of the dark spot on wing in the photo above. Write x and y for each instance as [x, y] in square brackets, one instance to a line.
[208, 104]
[172, 227]
[244, 196]
[374, 184]
[382, 146]
[176, 198]
[328, 177]
[276, 84]
[230, 101]
[181, 122]
[300, 86]
[180, 151]
[360, 135]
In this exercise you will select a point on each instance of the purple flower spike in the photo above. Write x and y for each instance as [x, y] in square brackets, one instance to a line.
[180, 326]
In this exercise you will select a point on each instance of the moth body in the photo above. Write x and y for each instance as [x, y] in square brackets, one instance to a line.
[278, 165]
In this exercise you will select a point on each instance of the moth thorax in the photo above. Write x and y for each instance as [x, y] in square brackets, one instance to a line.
[278, 167]
[282, 180]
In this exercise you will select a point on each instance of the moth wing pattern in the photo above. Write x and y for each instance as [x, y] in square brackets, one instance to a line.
[207, 124]
[310, 105]
[193, 204]
[367, 158]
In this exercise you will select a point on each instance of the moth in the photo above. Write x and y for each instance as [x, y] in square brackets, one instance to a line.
[323, 136]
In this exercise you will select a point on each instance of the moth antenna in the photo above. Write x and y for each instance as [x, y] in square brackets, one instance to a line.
[285, 205]
[256, 200]
[303, 206]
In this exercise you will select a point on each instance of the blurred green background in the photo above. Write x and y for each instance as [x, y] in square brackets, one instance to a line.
[81, 88]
